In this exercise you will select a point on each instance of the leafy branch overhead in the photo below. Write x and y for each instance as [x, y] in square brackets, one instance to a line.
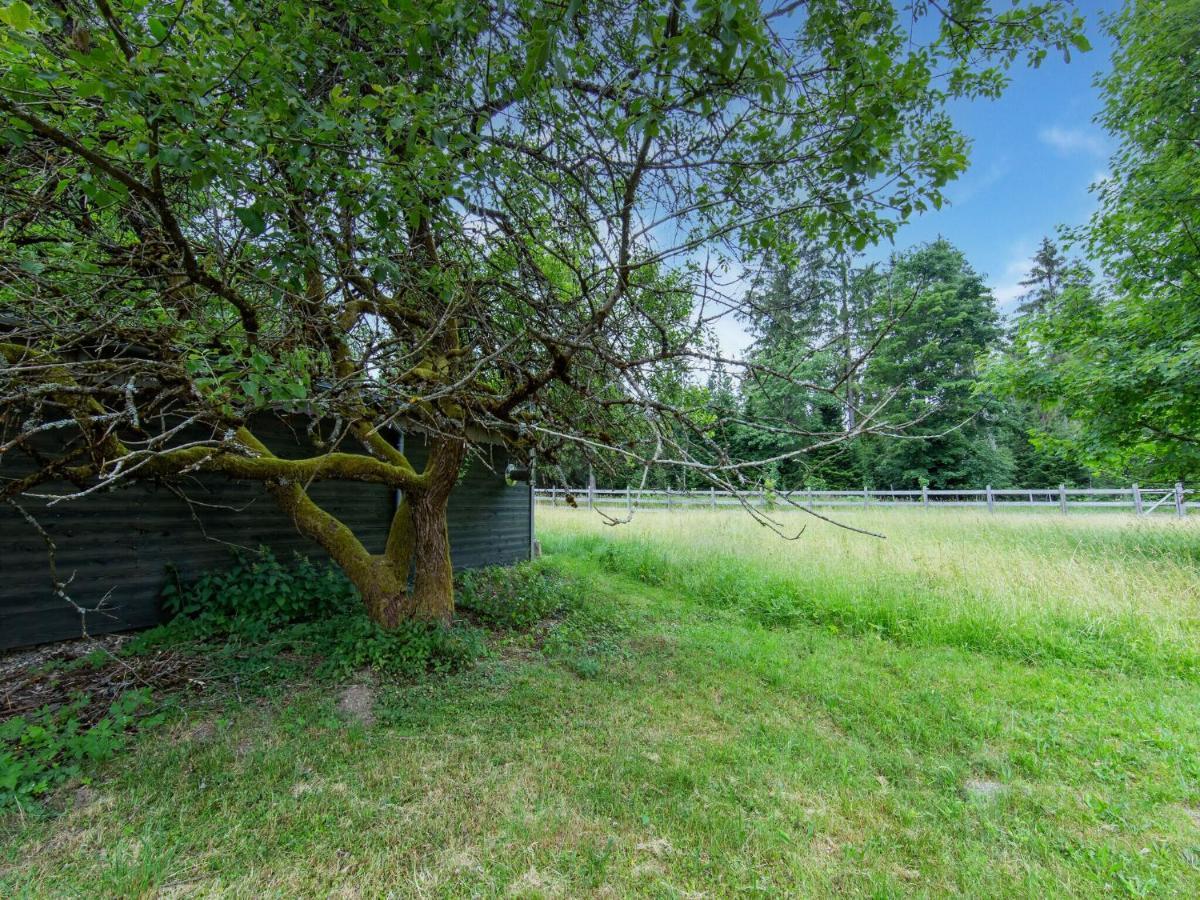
[508, 219]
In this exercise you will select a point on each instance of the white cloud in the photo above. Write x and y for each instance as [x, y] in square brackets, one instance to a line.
[1007, 287]
[972, 186]
[1070, 141]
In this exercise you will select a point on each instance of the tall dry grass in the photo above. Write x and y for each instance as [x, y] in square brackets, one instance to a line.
[1099, 589]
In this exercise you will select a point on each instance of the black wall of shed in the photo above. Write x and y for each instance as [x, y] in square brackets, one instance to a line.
[119, 545]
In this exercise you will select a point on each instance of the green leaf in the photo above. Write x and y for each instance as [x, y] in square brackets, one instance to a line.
[537, 52]
[251, 218]
[18, 15]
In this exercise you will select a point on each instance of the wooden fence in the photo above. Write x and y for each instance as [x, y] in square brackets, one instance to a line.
[1143, 501]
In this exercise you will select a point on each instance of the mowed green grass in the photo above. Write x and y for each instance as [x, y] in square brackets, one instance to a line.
[722, 714]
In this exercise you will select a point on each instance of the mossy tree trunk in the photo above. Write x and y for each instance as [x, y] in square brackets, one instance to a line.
[418, 550]
[413, 578]
[432, 597]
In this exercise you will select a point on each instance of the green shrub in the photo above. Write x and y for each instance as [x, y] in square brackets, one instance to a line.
[258, 594]
[513, 596]
[266, 607]
[42, 749]
[411, 649]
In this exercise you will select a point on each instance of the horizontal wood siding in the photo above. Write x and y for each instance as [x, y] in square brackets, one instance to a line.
[121, 547]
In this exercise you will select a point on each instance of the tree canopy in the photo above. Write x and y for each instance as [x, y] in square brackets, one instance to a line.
[513, 218]
[1121, 356]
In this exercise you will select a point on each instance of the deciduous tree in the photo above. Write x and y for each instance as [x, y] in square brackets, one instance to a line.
[1122, 358]
[511, 217]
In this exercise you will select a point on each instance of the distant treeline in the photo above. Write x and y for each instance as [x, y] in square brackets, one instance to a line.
[916, 381]
[898, 375]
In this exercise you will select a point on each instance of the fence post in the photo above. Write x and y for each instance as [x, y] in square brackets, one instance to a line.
[1062, 498]
[866, 499]
[628, 501]
[1137, 499]
[810, 499]
[712, 497]
[1180, 509]
[553, 495]
[668, 498]
[991, 500]
[925, 495]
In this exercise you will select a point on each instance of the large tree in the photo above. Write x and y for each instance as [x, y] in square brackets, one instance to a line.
[926, 366]
[1122, 357]
[513, 218]
[1047, 276]
[1040, 432]
[817, 319]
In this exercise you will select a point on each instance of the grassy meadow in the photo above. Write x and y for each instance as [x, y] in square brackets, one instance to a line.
[1102, 589]
[980, 706]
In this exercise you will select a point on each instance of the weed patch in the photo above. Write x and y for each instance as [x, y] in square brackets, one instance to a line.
[261, 610]
[65, 708]
[515, 597]
[256, 594]
[42, 749]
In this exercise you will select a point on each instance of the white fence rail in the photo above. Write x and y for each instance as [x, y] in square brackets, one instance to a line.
[1143, 501]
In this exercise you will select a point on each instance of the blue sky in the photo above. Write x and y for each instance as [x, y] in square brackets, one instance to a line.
[1034, 154]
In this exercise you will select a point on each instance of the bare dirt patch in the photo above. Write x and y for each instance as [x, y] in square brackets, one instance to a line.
[659, 847]
[357, 703]
[983, 789]
[202, 731]
[535, 884]
[23, 659]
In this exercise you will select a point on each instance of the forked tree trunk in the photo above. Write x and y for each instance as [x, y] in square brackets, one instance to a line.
[413, 578]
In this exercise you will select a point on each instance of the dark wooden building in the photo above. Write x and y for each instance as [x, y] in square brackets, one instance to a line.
[120, 546]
